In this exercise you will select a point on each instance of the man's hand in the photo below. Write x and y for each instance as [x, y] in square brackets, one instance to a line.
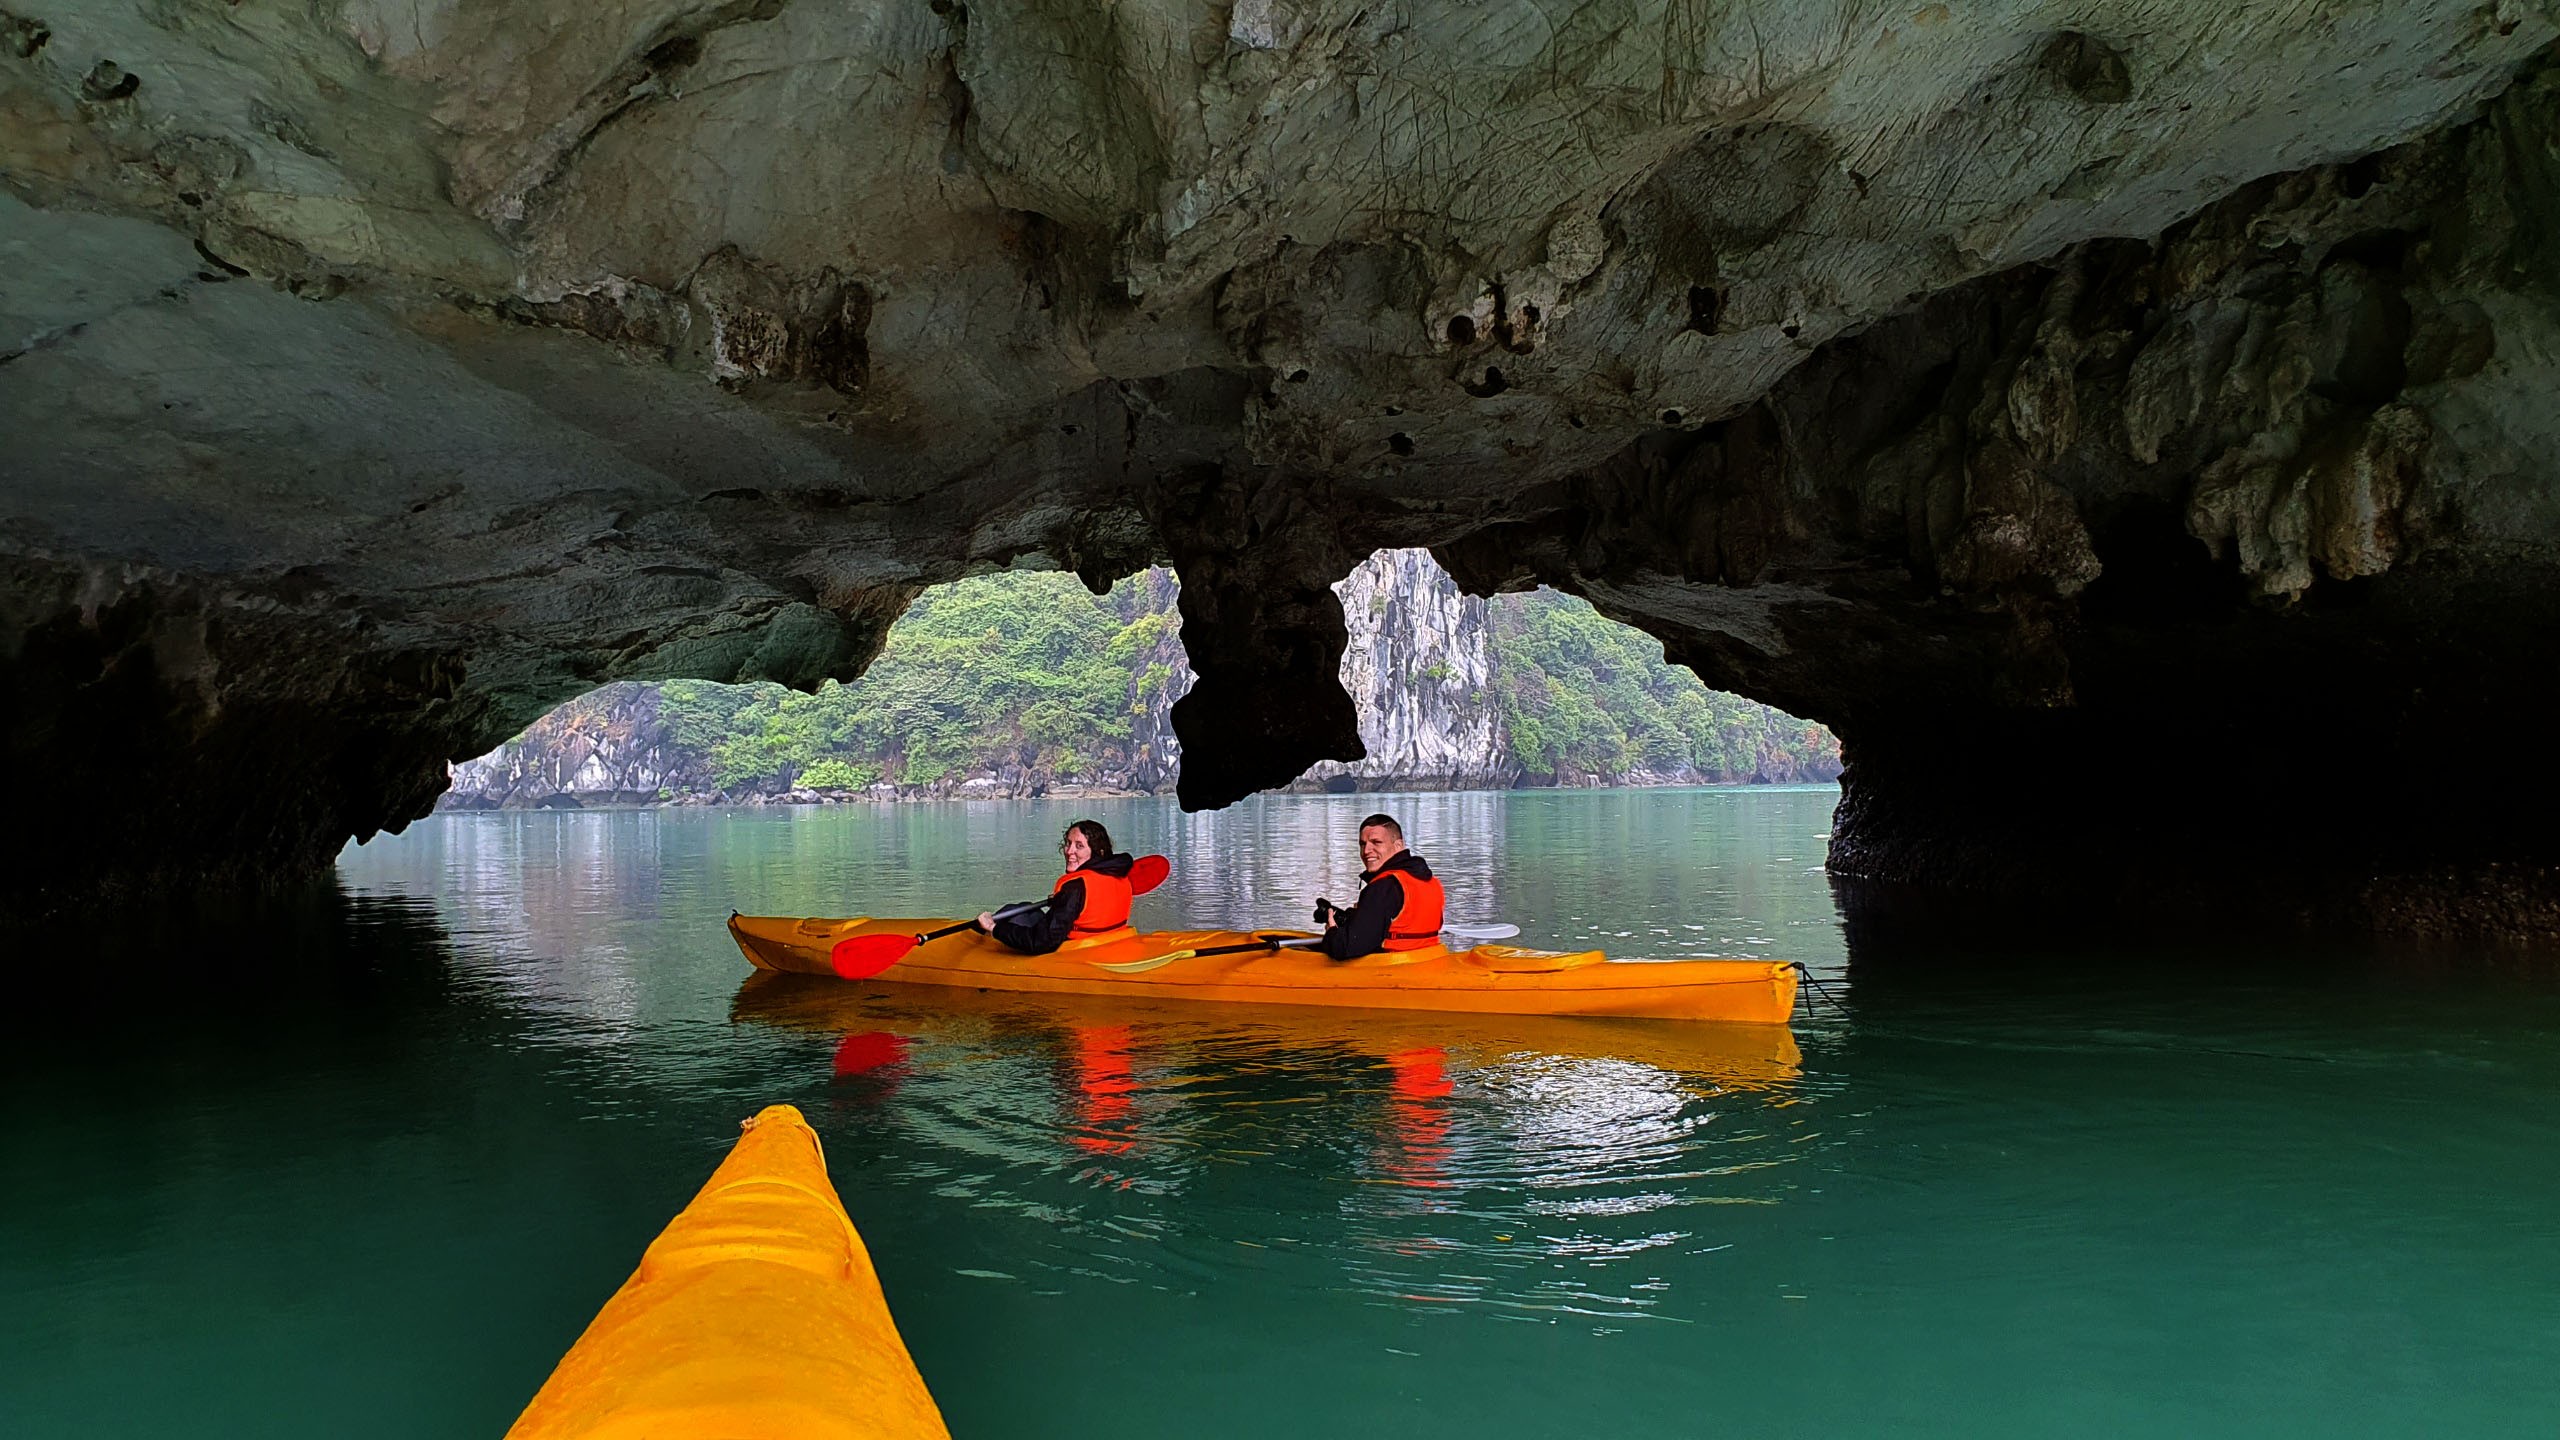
[987, 921]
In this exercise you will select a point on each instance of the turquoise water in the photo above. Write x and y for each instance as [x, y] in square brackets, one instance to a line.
[367, 1165]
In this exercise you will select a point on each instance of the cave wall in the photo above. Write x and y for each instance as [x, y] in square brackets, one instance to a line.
[2046, 377]
[2235, 547]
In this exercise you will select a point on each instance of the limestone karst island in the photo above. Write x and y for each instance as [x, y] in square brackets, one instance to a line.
[1138, 719]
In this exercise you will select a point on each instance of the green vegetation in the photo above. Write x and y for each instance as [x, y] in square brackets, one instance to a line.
[1030, 672]
[1583, 696]
[1027, 669]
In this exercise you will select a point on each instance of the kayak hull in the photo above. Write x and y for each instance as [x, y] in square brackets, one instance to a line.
[1491, 980]
[1715, 1055]
[756, 1312]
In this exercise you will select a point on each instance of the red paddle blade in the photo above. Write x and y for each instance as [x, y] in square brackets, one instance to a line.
[863, 956]
[1148, 872]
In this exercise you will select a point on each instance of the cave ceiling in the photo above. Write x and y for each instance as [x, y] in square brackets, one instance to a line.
[376, 373]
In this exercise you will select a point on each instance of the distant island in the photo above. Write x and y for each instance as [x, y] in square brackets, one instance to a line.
[1027, 684]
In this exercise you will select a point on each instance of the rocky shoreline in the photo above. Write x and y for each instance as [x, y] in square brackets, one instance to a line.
[983, 788]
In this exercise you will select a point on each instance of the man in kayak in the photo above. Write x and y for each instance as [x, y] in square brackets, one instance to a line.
[1091, 898]
[1400, 903]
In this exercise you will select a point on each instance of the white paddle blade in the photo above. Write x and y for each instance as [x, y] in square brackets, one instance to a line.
[1480, 932]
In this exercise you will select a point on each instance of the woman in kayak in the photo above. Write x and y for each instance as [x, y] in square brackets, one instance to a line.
[1090, 899]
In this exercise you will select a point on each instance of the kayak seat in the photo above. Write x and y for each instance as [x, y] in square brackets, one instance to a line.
[1512, 960]
[1107, 937]
[822, 927]
[1403, 957]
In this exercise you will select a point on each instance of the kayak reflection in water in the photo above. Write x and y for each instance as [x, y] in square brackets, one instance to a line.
[1418, 1117]
[1091, 899]
[1106, 1089]
[1400, 902]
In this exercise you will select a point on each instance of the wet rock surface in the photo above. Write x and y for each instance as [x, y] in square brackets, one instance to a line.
[2159, 401]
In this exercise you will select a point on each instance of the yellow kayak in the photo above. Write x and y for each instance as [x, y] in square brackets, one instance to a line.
[1487, 980]
[754, 1314]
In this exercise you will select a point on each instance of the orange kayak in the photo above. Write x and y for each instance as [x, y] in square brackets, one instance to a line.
[1487, 980]
[756, 1312]
[1714, 1055]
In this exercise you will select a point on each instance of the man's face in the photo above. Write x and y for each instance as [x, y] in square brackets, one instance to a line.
[1378, 845]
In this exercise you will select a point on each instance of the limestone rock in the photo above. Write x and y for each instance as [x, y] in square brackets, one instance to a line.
[609, 747]
[377, 373]
[1417, 664]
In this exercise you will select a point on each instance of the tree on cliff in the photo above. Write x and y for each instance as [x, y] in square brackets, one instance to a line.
[1584, 698]
[1025, 671]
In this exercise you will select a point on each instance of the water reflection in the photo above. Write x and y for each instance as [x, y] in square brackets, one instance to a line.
[1524, 1166]
[1658, 873]
[367, 1166]
[1418, 1119]
[1482, 1153]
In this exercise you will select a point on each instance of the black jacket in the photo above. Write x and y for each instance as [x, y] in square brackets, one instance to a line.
[1037, 932]
[1362, 929]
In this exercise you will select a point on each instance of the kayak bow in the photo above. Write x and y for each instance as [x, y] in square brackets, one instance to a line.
[755, 1312]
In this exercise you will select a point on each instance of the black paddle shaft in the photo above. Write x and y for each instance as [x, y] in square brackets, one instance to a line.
[1267, 942]
[1006, 912]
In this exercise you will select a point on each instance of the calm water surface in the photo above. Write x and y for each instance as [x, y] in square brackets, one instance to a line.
[368, 1165]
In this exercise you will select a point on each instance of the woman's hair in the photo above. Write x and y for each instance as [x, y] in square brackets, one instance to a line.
[1094, 835]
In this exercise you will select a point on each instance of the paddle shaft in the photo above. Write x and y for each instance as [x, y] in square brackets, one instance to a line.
[1285, 943]
[1463, 932]
[1006, 913]
[1273, 944]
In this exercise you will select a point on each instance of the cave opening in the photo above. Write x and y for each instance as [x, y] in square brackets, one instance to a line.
[1024, 684]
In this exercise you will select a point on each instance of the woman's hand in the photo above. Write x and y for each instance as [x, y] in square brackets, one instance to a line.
[987, 921]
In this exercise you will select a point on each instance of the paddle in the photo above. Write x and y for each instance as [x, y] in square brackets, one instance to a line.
[860, 957]
[1267, 942]
[1285, 942]
[1147, 872]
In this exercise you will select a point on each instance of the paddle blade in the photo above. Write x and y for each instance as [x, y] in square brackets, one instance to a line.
[863, 956]
[1140, 967]
[1148, 872]
[1481, 932]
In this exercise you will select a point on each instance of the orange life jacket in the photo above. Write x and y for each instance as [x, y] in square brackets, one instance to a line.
[1417, 925]
[1106, 901]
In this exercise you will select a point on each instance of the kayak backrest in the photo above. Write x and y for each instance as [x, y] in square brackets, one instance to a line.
[1107, 937]
[1512, 959]
[819, 926]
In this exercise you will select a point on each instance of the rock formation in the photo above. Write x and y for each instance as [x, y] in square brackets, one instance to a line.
[1418, 667]
[608, 747]
[1421, 668]
[2158, 391]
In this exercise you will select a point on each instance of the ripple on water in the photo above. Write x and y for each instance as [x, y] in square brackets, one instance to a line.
[1532, 1170]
